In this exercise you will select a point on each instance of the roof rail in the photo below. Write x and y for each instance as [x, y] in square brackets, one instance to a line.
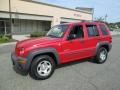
[100, 21]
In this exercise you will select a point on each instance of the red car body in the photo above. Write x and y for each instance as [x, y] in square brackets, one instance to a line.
[66, 50]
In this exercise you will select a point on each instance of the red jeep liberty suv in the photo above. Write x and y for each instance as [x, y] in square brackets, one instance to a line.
[63, 43]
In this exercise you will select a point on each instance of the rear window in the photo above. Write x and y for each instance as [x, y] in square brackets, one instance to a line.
[103, 29]
[92, 30]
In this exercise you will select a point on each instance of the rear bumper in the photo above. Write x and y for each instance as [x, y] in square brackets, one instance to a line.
[20, 67]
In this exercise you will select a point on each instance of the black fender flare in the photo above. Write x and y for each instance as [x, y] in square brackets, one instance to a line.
[38, 51]
[101, 44]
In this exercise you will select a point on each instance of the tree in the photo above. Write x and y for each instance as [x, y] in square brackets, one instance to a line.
[100, 19]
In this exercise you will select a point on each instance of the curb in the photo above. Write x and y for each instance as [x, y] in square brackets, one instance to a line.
[4, 44]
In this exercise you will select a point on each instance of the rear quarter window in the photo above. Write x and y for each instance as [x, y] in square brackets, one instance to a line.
[103, 29]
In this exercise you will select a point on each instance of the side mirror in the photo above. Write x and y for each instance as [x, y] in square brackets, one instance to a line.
[71, 36]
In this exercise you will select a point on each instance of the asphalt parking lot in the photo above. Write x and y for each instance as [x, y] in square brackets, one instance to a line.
[83, 75]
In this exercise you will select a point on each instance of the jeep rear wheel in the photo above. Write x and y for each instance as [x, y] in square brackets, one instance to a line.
[42, 67]
[101, 56]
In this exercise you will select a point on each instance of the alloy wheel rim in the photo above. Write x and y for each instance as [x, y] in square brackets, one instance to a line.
[44, 68]
[103, 55]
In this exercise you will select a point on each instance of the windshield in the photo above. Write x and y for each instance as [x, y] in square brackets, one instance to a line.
[57, 31]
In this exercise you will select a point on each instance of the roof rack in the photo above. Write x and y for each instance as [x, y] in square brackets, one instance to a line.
[100, 21]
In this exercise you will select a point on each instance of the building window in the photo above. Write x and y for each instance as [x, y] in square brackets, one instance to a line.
[92, 30]
[2, 27]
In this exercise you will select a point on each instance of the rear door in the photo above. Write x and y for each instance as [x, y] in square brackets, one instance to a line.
[93, 37]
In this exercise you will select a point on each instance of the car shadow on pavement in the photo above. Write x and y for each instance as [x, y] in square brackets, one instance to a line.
[61, 65]
[19, 72]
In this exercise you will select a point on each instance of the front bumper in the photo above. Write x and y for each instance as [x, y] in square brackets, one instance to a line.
[110, 47]
[20, 67]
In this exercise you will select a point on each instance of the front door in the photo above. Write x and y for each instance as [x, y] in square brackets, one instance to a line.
[74, 45]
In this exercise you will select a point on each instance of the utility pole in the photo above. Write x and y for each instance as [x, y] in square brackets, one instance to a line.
[106, 16]
[10, 17]
[92, 14]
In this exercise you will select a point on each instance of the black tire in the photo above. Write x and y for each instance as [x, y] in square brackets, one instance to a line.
[98, 58]
[34, 67]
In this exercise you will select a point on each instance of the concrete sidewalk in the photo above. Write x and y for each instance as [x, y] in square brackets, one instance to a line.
[16, 37]
[10, 43]
[21, 37]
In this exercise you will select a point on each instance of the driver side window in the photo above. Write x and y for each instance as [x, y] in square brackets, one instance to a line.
[76, 32]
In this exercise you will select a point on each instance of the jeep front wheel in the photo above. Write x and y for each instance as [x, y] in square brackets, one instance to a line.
[101, 56]
[42, 67]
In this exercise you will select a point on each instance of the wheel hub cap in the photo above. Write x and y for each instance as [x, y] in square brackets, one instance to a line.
[103, 55]
[44, 68]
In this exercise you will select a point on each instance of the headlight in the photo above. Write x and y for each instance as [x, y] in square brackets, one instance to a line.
[22, 50]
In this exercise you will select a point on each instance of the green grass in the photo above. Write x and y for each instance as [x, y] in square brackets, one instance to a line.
[5, 38]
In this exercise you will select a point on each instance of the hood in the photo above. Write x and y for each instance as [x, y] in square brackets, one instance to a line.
[38, 41]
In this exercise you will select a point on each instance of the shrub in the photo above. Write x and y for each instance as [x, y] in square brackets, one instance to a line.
[9, 36]
[38, 34]
[4, 38]
[1, 36]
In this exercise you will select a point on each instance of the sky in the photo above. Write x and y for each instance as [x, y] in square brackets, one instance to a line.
[101, 7]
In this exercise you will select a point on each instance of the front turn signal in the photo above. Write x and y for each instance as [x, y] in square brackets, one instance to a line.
[22, 61]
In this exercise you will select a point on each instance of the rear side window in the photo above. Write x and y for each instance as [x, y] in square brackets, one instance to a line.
[103, 29]
[92, 30]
